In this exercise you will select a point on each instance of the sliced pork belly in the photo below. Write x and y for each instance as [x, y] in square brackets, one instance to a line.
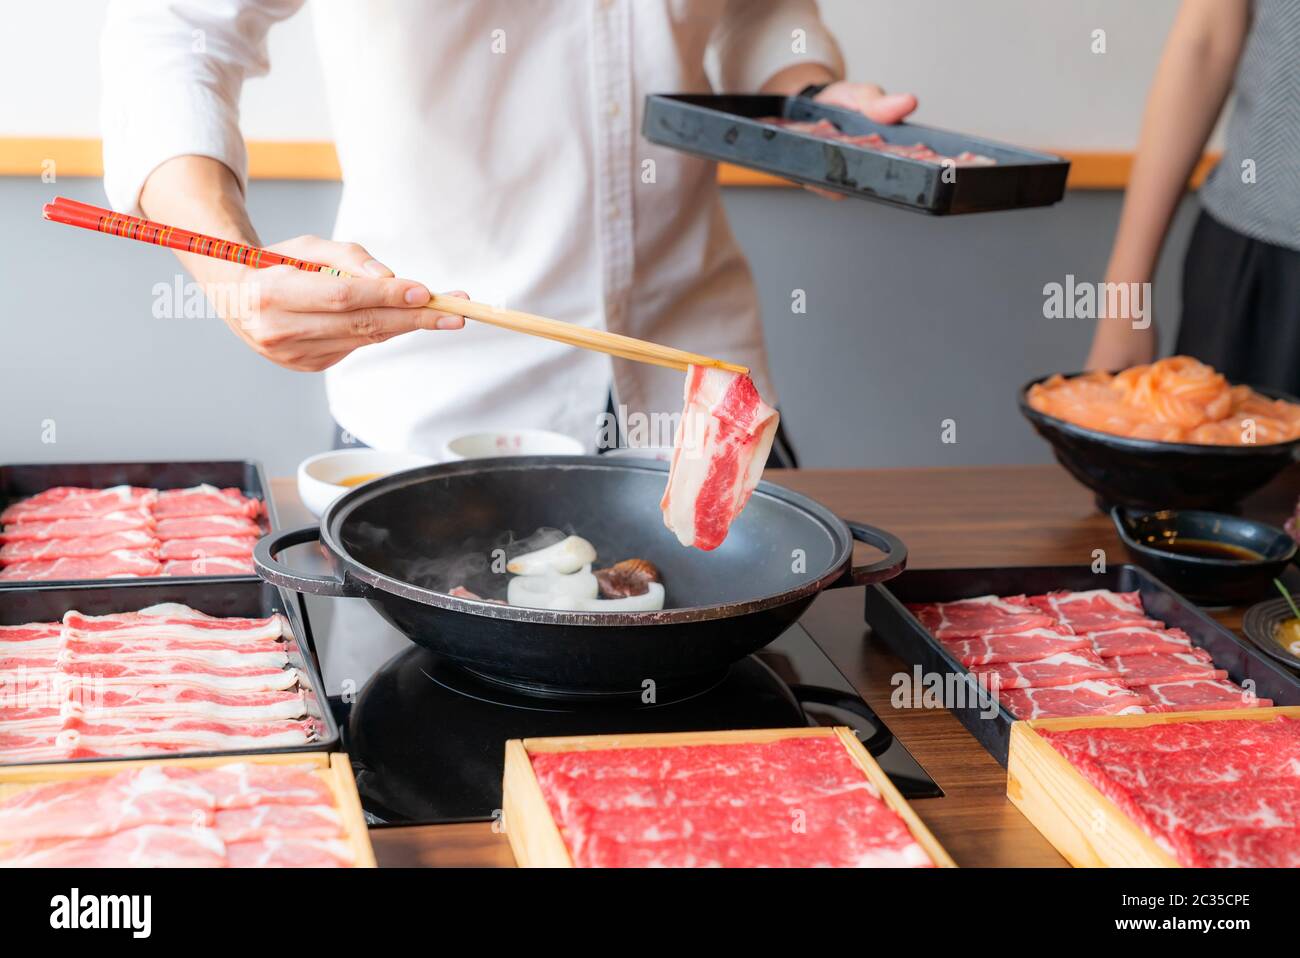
[1155, 669]
[118, 564]
[201, 527]
[174, 622]
[209, 547]
[1016, 647]
[1138, 640]
[1095, 609]
[125, 520]
[216, 565]
[983, 615]
[106, 736]
[722, 443]
[290, 852]
[1063, 668]
[45, 550]
[1090, 697]
[147, 846]
[204, 500]
[76, 502]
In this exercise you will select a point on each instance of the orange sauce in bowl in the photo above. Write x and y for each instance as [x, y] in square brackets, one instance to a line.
[359, 478]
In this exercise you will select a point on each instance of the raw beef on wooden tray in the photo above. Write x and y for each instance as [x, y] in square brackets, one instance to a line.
[76, 533]
[795, 802]
[165, 679]
[719, 452]
[238, 815]
[1095, 610]
[1023, 646]
[1089, 697]
[984, 615]
[1212, 794]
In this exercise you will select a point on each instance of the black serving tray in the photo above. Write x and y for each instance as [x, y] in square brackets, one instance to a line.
[726, 128]
[904, 635]
[215, 596]
[26, 479]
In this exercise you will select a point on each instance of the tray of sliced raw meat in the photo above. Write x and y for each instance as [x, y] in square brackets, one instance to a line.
[91, 672]
[71, 522]
[259, 811]
[1056, 641]
[1215, 789]
[905, 164]
[797, 797]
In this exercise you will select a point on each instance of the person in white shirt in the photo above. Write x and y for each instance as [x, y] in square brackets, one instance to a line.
[490, 146]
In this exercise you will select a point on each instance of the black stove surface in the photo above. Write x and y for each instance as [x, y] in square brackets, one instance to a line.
[427, 738]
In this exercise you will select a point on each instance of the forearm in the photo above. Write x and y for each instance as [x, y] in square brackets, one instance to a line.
[201, 194]
[1192, 82]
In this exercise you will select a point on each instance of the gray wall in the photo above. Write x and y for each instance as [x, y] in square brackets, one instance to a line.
[911, 320]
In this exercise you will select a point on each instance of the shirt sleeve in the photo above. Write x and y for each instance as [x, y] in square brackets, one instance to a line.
[171, 75]
[756, 39]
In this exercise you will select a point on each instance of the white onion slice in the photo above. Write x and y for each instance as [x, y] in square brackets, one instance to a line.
[566, 556]
[543, 591]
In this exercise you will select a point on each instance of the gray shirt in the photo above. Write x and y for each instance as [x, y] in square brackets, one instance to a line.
[1255, 189]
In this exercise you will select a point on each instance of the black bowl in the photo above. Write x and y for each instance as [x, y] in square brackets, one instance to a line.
[1160, 475]
[1261, 622]
[1206, 581]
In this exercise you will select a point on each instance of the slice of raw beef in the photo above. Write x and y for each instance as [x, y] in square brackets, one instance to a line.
[984, 615]
[121, 563]
[1136, 640]
[1095, 609]
[1063, 668]
[1169, 667]
[1015, 647]
[1090, 697]
[1207, 693]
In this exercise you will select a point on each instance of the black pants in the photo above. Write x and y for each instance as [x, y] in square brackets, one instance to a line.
[1241, 307]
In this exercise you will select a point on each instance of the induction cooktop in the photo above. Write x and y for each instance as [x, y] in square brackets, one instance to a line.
[426, 737]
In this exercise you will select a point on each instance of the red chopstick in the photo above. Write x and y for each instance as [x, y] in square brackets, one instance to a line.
[73, 213]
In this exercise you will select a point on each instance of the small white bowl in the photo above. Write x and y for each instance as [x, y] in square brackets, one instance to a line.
[320, 477]
[511, 442]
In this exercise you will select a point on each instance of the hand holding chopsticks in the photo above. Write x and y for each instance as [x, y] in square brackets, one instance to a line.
[90, 217]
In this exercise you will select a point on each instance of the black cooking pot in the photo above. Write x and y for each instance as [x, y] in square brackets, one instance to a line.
[403, 540]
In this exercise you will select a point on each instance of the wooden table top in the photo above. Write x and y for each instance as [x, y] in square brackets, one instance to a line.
[988, 516]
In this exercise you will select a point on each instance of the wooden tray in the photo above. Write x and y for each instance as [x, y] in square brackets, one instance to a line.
[1085, 826]
[535, 837]
[334, 769]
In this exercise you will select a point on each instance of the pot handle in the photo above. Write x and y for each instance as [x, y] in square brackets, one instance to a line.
[891, 564]
[272, 570]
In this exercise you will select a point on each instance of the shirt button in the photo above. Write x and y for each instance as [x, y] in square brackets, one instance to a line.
[613, 109]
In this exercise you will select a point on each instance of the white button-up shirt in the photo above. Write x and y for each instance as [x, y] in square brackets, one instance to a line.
[492, 146]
